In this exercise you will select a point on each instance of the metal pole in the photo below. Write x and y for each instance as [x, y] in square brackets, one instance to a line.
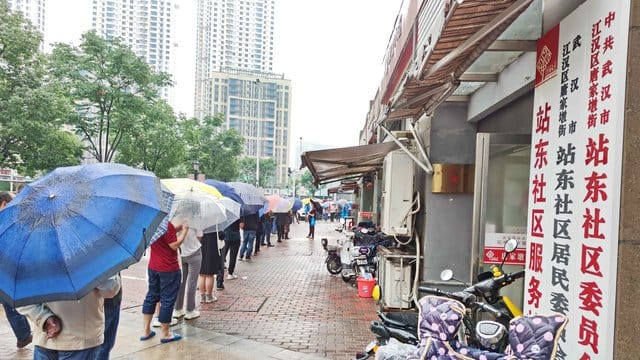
[258, 163]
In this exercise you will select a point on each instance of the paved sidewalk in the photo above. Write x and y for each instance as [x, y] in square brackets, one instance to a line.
[284, 305]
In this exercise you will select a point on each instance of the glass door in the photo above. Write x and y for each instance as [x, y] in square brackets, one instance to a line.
[500, 203]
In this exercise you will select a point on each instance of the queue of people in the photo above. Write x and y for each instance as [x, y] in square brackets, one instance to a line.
[183, 262]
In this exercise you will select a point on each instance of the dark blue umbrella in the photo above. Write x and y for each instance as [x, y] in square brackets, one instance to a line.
[70, 230]
[225, 190]
[297, 205]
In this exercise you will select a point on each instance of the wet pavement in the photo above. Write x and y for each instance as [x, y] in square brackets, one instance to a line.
[283, 305]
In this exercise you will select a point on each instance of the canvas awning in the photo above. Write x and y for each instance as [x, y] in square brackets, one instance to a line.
[347, 162]
[471, 28]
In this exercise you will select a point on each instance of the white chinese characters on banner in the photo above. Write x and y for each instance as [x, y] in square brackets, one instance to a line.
[576, 165]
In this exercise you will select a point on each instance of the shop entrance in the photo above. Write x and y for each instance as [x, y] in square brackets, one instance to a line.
[500, 203]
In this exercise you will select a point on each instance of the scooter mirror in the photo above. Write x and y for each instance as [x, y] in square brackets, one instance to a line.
[446, 275]
[511, 245]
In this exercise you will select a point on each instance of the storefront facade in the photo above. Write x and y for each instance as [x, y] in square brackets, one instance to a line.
[477, 108]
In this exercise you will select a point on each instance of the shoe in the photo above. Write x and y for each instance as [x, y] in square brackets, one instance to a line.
[210, 299]
[240, 259]
[231, 277]
[279, 240]
[203, 298]
[190, 315]
[178, 313]
[263, 244]
[220, 287]
[270, 245]
[24, 342]
[156, 322]
[174, 337]
[248, 258]
[145, 338]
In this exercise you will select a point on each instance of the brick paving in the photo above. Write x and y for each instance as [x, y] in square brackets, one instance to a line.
[283, 297]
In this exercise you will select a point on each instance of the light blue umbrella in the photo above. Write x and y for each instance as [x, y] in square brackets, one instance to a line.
[70, 230]
[253, 199]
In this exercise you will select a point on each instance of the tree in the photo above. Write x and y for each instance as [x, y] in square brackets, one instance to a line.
[306, 181]
[217, 150]
[156, 142]
[111, 89]
[248, 171]
[32, 105]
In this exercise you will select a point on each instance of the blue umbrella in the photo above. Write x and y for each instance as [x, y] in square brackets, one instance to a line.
[70, 230]
[225, 190]
[297, 205]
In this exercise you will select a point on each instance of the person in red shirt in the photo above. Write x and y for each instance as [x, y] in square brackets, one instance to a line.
[164, 282]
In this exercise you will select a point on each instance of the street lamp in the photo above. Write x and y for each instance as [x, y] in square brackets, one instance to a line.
[196, 168]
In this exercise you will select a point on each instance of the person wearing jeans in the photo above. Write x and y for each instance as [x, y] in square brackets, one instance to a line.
[164, 282]
[19, 325]
[111, 321]
[191, 257]
[250, 227]
[267, 223]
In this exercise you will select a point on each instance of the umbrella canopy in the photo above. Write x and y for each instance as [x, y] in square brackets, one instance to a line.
[277, 204]
[196, 204]
[225, 190]
[232, 212]
[184, 184]
[252, 198]
[75, 227]
[166, 203]
[297, 205]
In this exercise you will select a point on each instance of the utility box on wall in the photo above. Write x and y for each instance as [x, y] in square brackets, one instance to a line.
[397, 194]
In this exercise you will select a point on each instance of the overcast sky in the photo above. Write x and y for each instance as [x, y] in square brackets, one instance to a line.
[331, 50]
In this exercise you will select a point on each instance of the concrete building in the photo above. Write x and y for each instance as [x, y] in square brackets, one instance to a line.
[257, 105]
[146, 26]
[234, 61]
[32, 10]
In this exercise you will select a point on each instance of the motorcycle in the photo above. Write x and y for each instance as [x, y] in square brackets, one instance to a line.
[333, 261]
[488, 312]
[440, 319]
[486, 317]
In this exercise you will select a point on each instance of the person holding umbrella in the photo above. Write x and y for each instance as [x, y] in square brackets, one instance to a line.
[70, 327]
[19, 323]
[164, 282]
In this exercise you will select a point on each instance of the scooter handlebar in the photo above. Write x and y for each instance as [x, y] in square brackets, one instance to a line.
[464, 297]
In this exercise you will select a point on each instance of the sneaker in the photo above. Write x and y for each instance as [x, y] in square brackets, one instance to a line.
[270, 245]
[248, 258]
[178, 313]
[203, 298]
[190, 315]
[220, 287]
[231, 277]
[210, 299]
[240, 259]
[156, 322]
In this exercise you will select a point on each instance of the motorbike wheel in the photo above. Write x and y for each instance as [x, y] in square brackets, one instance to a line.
[334, 266]
[346, 278]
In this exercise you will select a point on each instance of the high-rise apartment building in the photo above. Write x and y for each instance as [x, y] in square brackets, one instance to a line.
[32, 10]
[234, 61]
[144, 25]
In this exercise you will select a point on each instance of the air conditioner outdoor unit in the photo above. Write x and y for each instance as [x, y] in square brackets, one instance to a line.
[397, 194]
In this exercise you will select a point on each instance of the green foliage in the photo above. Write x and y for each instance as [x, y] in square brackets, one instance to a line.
[112, 90]
[248, 171]
[306, 181]
[32, 105]
[217, 150]
[156, 142]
